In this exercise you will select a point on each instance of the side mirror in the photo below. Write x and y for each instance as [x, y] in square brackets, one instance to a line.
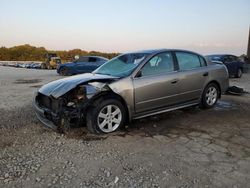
[139, 74]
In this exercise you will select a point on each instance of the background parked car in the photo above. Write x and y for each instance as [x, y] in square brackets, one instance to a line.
[34, 66]
[234, 64]
[21, 65]
[84, 64]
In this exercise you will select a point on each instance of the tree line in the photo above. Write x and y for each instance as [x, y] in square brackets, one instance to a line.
[31, 53]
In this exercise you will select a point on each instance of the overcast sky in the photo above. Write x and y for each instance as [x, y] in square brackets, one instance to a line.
[204, 26]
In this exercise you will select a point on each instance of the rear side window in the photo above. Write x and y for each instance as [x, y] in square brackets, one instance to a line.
[188, 61]
[82, 59]
[202, 61]
[92, 59]
[100, 60]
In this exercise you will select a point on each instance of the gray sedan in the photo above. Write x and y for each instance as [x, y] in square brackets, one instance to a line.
[131, 86]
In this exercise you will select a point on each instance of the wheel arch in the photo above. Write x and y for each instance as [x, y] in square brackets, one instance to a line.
[215, 82]
[109, 95]
[70, 72]
[60, 68]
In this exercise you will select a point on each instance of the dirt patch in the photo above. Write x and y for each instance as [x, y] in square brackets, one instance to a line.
[18, 117]
[6, 143]
[36, 86]
[27, 81]
[81, 133]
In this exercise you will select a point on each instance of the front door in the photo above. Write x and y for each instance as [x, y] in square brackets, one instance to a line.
[156, 84]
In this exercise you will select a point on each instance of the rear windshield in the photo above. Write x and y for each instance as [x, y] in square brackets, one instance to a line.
[214, 58]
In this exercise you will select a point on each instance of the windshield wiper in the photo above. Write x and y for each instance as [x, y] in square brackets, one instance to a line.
[102, 73]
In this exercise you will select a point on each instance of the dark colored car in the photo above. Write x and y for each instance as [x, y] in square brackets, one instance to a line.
[34, 66]
[131, 86]
[84, 64]
[234, 64]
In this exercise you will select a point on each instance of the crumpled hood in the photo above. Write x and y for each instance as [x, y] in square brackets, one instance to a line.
[58, 88]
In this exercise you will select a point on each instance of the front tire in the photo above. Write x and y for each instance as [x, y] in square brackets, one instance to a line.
[64, 71]
[210, 95]
[106, 116]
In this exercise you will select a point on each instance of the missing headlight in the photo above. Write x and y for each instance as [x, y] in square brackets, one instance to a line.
[81, 93]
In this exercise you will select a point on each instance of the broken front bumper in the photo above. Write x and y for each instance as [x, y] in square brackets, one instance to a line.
[53, 114]
[43, 115]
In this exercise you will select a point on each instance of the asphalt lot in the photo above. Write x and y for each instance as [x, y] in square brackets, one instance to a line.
[183, 148]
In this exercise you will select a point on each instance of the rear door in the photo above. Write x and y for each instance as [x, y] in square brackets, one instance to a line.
[92, 65]
[235, 64]
[193, 74]
[99, 62]
[228, 62]
[156, 84]
[81, 63]
[87, 64]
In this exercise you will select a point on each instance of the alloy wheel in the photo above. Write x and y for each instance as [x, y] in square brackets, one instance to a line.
[109, 118]
[211, 96]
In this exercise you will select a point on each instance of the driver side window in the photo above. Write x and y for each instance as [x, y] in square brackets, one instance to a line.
[159, 64]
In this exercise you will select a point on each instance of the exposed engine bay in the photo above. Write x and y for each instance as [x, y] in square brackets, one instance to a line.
[68, 109]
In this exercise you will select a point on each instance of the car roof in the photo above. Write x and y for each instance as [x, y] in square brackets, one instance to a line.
[220, 55]
[156, 51]
[94, 56]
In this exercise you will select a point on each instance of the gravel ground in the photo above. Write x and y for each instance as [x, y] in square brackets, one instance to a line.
[184, 148]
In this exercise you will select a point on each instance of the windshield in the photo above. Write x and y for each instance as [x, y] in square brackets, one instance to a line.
[213, 58]
[122, 65]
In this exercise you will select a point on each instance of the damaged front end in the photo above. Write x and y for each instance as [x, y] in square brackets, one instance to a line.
[69, 109]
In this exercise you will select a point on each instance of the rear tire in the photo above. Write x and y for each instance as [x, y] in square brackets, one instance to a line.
[239, 73]
[210, 95]
[106, 116]
[43, 66]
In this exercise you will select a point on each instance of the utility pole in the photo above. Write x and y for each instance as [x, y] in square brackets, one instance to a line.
[248, 48]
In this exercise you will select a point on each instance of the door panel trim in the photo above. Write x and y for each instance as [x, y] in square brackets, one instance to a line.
[166, 110]
[151, 100]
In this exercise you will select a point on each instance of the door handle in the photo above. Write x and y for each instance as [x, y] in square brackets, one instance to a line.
[205, 74]
[174, 81]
